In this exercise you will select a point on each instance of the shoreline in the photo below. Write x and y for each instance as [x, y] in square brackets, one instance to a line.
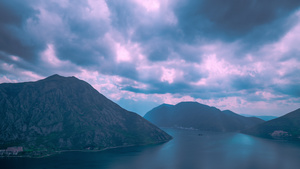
[84, 150]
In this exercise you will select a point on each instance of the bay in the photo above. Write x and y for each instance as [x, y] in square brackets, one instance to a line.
[190, 149]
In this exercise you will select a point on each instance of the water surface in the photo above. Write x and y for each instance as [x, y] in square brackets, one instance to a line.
[190, 149]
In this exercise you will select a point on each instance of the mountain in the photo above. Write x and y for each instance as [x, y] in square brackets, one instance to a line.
[265, 118]
[65, 113]
[199, 116]
[284, 127]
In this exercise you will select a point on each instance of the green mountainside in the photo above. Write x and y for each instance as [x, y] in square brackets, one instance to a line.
[65, 113]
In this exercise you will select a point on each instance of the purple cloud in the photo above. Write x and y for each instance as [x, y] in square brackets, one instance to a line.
[239, 56]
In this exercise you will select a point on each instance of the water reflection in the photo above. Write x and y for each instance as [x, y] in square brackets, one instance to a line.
[188, 150]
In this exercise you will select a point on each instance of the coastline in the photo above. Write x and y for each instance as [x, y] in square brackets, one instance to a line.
[51, 153]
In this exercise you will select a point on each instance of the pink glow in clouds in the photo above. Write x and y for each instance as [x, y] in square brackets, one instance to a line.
[149, 52]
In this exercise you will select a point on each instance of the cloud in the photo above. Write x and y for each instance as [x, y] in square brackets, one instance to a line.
[233, 20]
[13, 37]
[211, 51]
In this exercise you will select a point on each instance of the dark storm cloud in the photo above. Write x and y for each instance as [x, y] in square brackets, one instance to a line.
[4, 57]
[245, 83]
[158, 51]
[127, 70]
[79, 41]
[162, 49]
[189, 54]
[86, 29]
[9, 60]
[243, 16]
[292, 54]
[87, 44]
[13, 38]
[15, 12]
[253, 21]
[91, 42]
[193, 75]
[290, 89]
[122, 15]
[162, 88]
[84, 53]
[292, 85]
[157, 38]
[183, 89]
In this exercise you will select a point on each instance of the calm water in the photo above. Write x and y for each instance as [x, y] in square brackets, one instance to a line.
[187, 150]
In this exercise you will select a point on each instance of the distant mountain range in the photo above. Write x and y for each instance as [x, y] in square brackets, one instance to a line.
[65, 113]
[194, 115]
[285, 127]
[265, 118]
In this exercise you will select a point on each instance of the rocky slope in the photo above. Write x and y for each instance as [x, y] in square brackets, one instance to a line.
[198, 116]
[65, 113]
[285, 127]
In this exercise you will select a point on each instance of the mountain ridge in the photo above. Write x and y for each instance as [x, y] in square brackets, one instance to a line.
[198, 116]
[286, 127]
[64, 113]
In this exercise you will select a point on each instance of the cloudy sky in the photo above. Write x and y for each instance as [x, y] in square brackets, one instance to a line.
[242, 55]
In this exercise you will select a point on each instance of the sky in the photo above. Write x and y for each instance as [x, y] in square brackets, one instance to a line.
[241, 55]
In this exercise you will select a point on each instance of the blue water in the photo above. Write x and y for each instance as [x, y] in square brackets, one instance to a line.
[188, 150]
